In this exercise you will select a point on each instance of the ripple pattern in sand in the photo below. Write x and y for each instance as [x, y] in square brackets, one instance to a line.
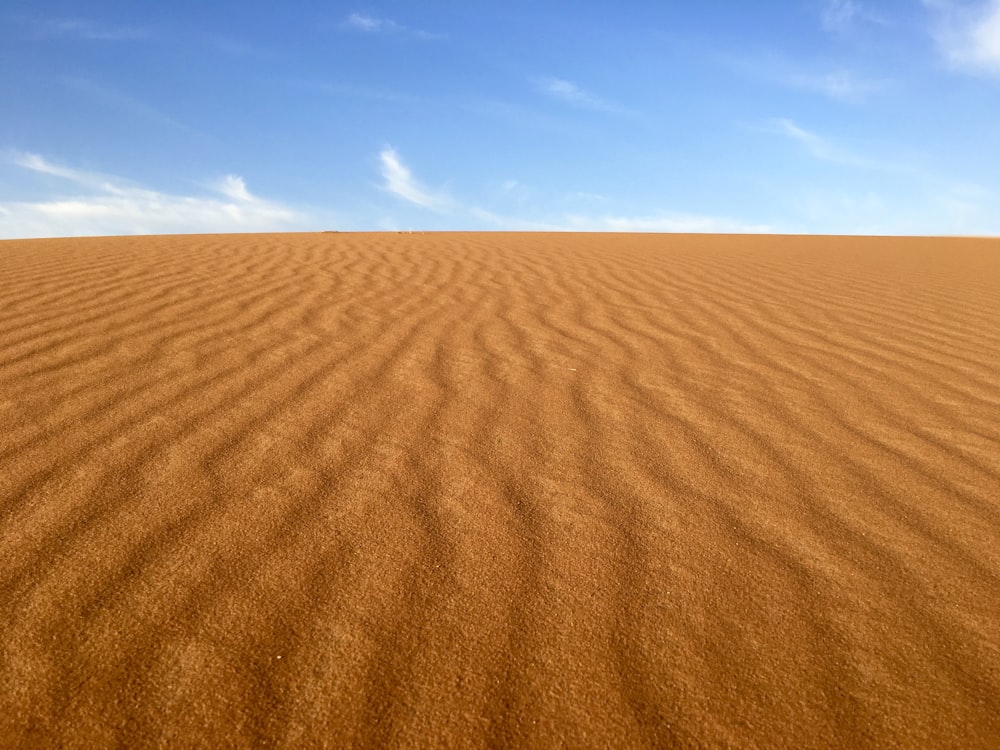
[460, 490]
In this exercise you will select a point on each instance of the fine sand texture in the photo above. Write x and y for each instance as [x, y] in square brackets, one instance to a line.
[500, 490]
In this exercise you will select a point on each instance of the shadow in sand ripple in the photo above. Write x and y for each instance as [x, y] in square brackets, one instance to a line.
[477, 490]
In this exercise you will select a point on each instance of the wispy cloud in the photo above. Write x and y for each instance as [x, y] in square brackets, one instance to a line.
[84, 29]
[824, 148]
[361, 22]
[400, 182]
[968, 35]
[232, 46]
[664, 222]
[842, 85]
[126, 105]
[374, 25]
[659, 222]
[335, 88]
[968, 208]
[927, 207]
[95, 204]
[818, 146]
[840, 16]
[888, 197]
[570, 93]
[517, 115]
[91, 180]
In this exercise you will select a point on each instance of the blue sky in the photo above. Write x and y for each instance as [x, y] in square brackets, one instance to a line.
[812, 116]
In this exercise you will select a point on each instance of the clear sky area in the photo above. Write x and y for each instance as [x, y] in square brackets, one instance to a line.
[798, 116]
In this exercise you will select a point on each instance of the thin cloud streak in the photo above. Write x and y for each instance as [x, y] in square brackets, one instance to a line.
[842, 85]
[839, 84]
[400, 182]
[374, 25]
[101, 205]
[372, 93]
[126, 105]
[819, 147]
[41, 165]
[944, 205]
[655, 223]
[84, 30]
[668, 222]
[367, 23]
[570, 93]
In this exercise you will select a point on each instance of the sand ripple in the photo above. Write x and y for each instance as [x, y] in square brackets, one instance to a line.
[453, 490]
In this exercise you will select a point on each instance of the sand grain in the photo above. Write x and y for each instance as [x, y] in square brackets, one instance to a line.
[451, 490]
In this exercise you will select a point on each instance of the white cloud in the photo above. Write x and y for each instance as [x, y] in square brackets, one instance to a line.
[968, 35]
[100, 205]
[400, 182]
[233, 186]
[572, 94]
[41, 165]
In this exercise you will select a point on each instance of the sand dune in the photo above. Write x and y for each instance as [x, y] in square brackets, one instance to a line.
[460, 490]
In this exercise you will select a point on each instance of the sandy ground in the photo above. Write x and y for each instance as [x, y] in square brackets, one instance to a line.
[460, 490]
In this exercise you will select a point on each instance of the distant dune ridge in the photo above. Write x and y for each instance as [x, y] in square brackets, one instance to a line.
[468, 490]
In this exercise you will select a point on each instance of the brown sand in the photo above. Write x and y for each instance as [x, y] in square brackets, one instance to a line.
[458, 490]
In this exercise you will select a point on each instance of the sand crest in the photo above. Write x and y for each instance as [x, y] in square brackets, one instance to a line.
[468, 490]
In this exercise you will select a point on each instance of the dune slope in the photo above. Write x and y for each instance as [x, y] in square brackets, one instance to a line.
[453, 490]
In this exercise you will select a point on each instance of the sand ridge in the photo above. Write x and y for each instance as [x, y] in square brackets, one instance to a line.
[456, 490]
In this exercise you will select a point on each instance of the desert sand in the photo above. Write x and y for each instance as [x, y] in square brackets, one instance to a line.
[505, 490]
